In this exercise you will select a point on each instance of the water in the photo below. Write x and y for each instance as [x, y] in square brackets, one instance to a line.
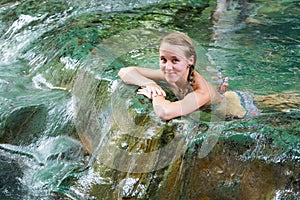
[57, 56]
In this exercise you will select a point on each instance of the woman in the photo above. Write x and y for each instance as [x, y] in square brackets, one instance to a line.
[177, 60]
[178, 57]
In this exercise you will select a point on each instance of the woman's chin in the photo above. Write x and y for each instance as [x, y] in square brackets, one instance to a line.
[170, 80]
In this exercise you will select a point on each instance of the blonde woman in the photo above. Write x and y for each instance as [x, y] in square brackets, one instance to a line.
[177, 57]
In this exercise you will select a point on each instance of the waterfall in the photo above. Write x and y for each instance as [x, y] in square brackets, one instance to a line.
[70, 129]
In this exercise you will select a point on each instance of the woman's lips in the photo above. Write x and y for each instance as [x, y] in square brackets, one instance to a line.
[170, 73]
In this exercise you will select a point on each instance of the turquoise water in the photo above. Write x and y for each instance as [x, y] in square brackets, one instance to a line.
[46, 44]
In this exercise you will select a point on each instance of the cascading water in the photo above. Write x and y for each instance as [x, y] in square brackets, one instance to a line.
[70, 129]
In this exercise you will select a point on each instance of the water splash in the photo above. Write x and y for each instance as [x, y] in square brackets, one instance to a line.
[41, 83]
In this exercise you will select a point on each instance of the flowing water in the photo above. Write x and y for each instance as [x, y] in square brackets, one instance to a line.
[57, 139]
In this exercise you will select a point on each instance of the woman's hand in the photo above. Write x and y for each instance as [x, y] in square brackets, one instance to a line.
[151, 90]
[145, 92]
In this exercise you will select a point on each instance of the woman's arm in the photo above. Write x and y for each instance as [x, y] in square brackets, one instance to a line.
[143, 77]
[203, 94]
[140, 76]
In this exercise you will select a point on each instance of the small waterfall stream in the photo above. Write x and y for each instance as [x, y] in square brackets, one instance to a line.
[70, 129]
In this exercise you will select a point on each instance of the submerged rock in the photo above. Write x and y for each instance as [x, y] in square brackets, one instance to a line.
[23, 124]
[249, 161]
[141, 157]
[10, 184]
[280, 102]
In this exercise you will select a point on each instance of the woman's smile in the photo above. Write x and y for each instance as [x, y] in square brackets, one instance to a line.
[170, 73]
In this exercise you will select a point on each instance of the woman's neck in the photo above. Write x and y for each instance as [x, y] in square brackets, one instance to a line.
[181, 88]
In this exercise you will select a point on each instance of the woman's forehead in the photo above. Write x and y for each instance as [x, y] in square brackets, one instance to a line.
[167, 49]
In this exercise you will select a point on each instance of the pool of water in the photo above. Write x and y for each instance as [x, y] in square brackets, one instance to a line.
[46, 45]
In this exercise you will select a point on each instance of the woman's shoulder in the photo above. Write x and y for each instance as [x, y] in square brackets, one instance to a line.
[198, 77]
[204, 87]
[200, 82]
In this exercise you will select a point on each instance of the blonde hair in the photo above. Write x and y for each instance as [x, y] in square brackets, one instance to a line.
[181, 39]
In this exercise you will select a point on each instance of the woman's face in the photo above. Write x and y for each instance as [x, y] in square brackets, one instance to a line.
[173, 62]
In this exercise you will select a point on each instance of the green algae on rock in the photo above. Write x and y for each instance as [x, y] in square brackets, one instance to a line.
[22, 125]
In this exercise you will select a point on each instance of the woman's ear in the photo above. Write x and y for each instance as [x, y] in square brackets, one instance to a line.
[191, 60]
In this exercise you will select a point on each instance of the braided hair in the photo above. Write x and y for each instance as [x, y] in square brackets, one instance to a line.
[191, 75]
[181, 39]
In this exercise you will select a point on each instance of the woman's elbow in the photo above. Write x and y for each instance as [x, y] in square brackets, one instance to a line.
[124, 71]
[205, 99]
[163, 113]
[121, 72]
[164, 116]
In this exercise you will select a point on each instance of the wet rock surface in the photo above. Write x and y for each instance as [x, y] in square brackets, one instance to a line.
[254, 158]
[280, 102]
[10, 184]
[129, 152]
[243, 164]
[23, 125]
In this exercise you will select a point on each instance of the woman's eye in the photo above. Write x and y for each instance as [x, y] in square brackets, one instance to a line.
[163, 60]
[174, 61]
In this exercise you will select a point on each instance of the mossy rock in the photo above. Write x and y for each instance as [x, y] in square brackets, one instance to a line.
[247, 157]
[10, 183]
[23, 125]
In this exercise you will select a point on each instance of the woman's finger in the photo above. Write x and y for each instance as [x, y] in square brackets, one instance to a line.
[145, 93]
[151, 91]
[160, 92]
[156, 90]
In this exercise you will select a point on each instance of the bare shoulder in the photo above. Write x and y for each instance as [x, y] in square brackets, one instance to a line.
[203, 86]
[199, 82]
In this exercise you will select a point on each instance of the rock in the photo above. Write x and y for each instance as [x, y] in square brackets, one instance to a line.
[23, 124]
[10, 184]
[279, 102]
[249, 158]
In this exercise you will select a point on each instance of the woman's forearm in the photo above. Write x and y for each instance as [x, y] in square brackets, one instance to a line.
[160, 107]
[130, 75]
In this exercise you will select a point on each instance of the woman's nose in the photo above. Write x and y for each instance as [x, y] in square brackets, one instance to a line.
[169, 65]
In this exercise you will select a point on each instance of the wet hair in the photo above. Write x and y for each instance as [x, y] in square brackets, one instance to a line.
[181, 39]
